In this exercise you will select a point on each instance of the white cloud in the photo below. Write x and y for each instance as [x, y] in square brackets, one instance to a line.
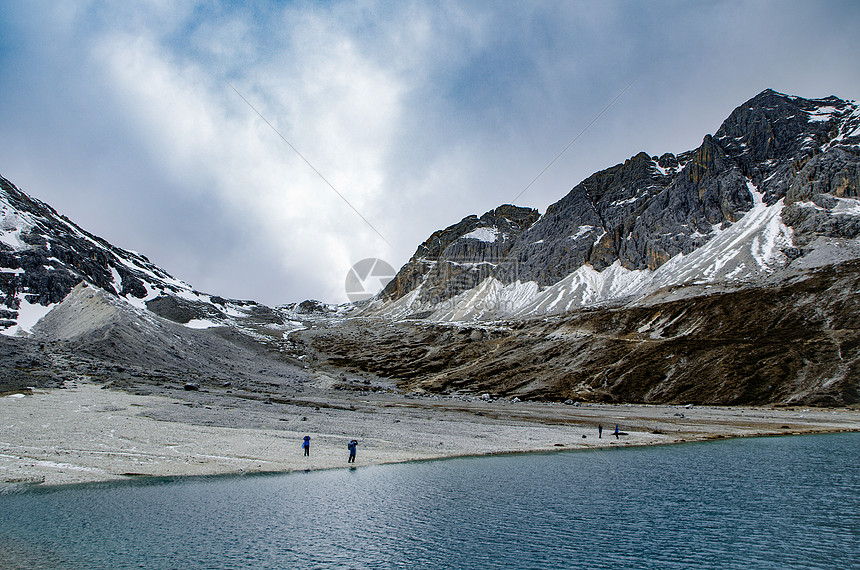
[419, 114]
[340, 110]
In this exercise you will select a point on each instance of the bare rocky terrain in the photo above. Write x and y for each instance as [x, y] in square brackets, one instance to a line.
[86, 433]
[792, 343]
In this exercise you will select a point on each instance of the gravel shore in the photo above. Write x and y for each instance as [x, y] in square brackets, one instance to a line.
[87, 433]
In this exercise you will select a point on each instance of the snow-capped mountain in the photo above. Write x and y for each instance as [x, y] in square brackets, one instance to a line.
[44, 256]
[728, 274]
[775, 190]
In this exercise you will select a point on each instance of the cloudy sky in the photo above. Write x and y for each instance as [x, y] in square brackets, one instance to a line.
[158, 125]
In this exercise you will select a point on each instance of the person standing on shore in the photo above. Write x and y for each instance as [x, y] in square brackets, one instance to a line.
[306, 445]
[616, 431]
[352, 445]
[599, 430]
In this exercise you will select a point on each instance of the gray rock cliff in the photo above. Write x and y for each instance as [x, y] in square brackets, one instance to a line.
[645, 211]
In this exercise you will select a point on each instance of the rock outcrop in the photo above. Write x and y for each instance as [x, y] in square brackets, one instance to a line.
[461, 256]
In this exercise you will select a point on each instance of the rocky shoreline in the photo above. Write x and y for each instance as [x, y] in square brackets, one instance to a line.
[87, 432]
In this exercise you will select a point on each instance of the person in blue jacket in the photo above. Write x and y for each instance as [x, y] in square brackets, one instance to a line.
[306, 445]
[616, 431]
[352, 445]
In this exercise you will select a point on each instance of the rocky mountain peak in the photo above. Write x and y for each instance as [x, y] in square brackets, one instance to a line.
[781, 160]
[773, 132]
[461, 255]
[44, 256]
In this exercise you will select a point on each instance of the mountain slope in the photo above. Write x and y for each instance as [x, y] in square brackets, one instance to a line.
[776, 188]
[796, 343]
[44, 256]
[75, 306]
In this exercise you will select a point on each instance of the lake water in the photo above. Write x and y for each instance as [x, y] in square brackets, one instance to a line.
[789, 502]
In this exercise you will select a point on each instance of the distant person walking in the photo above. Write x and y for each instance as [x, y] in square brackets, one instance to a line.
[616, 431]
[599, 430]
[306, 445]
[352, 445]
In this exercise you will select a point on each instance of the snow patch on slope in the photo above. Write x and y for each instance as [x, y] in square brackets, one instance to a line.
[12, 224]
[751, 245]
[846, 207]
[488, 300]
[587, 287]
[823, 114]
[201, 324]
[400, 308]
[488, 235]
[28, 315]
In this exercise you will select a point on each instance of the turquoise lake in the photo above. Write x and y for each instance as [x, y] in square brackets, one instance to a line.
[787, 502]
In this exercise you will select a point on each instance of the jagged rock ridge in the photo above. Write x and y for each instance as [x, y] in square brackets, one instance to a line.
[612, 233]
